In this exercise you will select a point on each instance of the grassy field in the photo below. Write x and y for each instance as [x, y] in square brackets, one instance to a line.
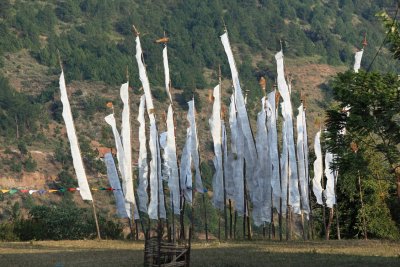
[256, 253]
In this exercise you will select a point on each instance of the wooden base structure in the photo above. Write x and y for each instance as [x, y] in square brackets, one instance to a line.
[158, 252]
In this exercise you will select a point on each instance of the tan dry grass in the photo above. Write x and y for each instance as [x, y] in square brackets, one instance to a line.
[256, 253]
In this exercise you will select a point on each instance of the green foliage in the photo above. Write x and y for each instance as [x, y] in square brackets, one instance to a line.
[30, 164]
[206, 173]
[22, 147]
[17, 112]
[373, 99]
[66, 221]
[93, 164]
[94, 48]
[15, 211]
[66, 180]
[93, 104]
[16, 166]
[62, 154]
[67, 11]
[56, 111]
[393, 29]
[367, 152]
[7, 232]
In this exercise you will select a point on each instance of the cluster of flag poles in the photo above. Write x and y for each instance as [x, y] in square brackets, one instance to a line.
[254, 175]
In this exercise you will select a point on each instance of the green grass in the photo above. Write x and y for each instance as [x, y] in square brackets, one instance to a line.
[256, 253]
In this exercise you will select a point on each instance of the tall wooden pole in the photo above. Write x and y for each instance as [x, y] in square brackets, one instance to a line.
[249, 234]
[323, 206]
[205, 216]
[133, 220]
[230, 219]
[173, 218]
[93, 205]
[130, 227]
[159, 224]
[337, 208]
[298, 179]
[141, 222]
[288, 214]
[311, 219]
[192, 217]
[272, 225]
[223, 165]
[280, 219]
[181, 208]
[95, 219]
[204, 199]
[244, 200]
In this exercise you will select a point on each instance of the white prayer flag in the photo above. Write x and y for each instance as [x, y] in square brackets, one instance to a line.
[75, 152]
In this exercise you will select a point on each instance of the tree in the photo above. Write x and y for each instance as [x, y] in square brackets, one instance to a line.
[372, 100]
[364, 133]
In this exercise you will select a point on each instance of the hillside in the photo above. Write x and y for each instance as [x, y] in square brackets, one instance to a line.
[96, 48]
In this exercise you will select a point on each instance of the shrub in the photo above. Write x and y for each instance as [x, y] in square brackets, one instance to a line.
[30, 164]
[65, 221]
[7, 232]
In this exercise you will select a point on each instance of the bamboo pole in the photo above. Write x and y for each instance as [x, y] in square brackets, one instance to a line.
[165, 207]
[249, 236]
[205, 207]
[234, 225]
[288, 213]
[298, 178]
[181, 207]
[272, 224]
[222, 155]
[205, 216]
[323, 205]
[159, 231]
[173, 218]
[305, 146]
[280, 219]
[230, 219]
[140, 220]
[93, 204]
[96, 220]
[244, 200]
[181, 218]
[192, 215]
[219, 228]
[337, 208]
[311, 220]
[130, 227]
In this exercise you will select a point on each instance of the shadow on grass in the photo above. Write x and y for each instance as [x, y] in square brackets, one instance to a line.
[63, 258]
[225, 255]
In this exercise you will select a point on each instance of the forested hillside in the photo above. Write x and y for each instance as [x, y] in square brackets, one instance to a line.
[95, 43]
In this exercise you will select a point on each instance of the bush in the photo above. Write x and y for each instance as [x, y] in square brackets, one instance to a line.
[66, 180]
[65, 221]
[16, 166]
[30, 164]
[7, 232]
[22, 148]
